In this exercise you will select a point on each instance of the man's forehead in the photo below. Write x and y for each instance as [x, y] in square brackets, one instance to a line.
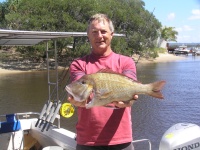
[96, 25]
[99, 29]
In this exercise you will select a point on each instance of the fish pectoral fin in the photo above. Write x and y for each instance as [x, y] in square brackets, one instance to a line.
[105, 95]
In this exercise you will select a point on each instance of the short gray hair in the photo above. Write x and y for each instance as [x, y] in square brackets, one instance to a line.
[101, 17]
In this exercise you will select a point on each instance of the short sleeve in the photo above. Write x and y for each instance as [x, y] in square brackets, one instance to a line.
[129, 68]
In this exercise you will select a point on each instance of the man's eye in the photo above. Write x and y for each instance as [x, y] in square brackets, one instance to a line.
[103, 32]
[95, 32]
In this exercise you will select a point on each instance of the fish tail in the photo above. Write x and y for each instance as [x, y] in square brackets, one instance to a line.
[156, 89]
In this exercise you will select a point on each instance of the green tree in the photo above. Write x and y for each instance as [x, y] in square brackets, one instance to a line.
[129, 17]
[169, 34]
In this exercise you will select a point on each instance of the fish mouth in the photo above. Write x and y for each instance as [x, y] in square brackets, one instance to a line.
[68, 90]
[88, 104]
[89, 101]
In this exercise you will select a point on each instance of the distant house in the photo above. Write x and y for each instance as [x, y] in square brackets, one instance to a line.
[163, 44]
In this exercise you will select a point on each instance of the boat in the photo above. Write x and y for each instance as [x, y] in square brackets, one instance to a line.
[38, 130]
[196, 50]
[182, 50]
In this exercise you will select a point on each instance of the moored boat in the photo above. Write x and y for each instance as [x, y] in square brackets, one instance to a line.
[182, 50]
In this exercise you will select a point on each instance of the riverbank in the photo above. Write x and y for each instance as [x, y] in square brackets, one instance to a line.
[163, 57]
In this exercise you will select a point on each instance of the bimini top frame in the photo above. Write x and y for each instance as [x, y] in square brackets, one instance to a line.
[27, 38]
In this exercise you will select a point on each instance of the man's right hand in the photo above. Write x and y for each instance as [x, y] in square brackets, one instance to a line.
[76, 103]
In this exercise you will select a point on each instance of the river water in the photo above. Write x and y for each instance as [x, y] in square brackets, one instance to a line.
[27, 91]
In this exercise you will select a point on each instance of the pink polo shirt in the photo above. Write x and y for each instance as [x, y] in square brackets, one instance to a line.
[100, 125]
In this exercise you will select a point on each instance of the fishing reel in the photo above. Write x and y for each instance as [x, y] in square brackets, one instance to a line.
[67, 110]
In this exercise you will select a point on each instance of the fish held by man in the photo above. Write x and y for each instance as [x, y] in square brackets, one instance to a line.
[104, 88]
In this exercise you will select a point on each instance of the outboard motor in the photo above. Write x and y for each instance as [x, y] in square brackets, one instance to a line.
[181, 136]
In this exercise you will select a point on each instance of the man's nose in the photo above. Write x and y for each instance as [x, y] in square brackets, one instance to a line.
[99, 34]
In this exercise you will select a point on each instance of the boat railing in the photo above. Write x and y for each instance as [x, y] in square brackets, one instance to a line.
[143, 140]
[11, 123]
[20, 115]
[14, 119]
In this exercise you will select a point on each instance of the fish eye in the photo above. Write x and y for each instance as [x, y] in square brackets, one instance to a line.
[83, 82]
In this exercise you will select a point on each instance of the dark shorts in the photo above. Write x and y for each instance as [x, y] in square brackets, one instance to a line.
[125, 146]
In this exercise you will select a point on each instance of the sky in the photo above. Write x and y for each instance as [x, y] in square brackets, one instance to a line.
[184, 15]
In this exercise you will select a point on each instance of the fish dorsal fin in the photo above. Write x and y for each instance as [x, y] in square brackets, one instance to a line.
[109, 71]
[113, 72]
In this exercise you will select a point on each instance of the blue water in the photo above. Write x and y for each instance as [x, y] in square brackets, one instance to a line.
[152, 117]
[24, 92]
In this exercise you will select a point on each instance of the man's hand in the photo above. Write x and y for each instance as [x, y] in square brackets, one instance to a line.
[76, 103]
[126, 104]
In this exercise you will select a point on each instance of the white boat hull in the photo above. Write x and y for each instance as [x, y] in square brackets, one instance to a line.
[30, 136]
[54, 137]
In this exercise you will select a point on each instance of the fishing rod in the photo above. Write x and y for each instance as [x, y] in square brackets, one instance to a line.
[56, 107]
[51, 108]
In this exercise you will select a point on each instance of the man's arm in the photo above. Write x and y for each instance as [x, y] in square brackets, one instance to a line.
[130, 71]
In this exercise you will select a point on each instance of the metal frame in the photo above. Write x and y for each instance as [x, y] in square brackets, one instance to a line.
[143, 140]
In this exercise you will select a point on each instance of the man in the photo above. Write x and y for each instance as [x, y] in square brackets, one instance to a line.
[101, 127]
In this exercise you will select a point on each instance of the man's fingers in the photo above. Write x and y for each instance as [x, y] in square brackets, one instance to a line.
[76, 103]
[135, 97]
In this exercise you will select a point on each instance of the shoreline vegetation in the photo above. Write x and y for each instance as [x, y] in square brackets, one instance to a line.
[163, 58]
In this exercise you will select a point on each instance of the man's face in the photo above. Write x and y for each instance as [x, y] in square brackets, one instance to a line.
[100, 36]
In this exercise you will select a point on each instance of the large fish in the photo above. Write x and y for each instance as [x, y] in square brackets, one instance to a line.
[105, 87]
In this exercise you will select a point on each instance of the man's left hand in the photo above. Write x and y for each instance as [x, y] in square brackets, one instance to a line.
[122, 104]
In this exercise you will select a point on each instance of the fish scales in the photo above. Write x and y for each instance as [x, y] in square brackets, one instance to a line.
[119, 87]
[110, 83]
